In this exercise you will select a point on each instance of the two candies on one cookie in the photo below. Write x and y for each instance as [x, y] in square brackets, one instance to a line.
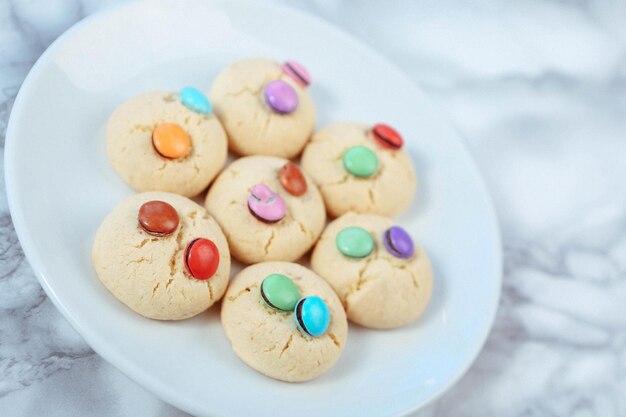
[360, 168]
[162, 255]
[283, 320]
[269, 209]
[382, 277]
[265, 107]
[164, 141]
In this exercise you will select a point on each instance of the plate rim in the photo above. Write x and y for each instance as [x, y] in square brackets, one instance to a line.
[106, 350]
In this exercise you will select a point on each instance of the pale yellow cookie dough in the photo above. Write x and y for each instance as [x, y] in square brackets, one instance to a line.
[253, 127]
[268, 340]
[380, 290]
[388, 192]
[250, 239]
[146, 272]
[130, 149]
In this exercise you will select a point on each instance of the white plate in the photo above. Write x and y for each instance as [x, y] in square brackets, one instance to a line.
[60, 186]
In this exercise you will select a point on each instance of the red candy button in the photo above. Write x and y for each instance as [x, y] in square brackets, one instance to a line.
[201, 258]
[291, 179]
[387, 136]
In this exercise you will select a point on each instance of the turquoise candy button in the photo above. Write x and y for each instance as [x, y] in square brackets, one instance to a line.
[195, 100]
[312, 316]
[355, 242]
[360, 161]
[279, 292]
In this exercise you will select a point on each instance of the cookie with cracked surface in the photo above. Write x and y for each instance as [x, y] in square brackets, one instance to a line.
[269, 340]
[157, 143]
[356, 172]
[141, 256]
[243, 96]
[253, 238]
[386, 285]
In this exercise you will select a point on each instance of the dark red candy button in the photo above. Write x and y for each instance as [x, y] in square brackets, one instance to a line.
[291, 179]
[158, 218]
[387, 136]
[201, 258]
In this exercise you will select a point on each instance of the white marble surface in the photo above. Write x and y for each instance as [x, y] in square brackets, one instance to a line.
[537, 89]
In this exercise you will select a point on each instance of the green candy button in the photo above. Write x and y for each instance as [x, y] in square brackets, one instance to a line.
[360, 161]
[279, 292]
[355, 242]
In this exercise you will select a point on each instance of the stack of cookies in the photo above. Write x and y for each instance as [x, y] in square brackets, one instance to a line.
[169, 258]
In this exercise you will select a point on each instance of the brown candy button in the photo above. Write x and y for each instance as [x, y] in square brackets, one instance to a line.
[291, 179]
[158, 218]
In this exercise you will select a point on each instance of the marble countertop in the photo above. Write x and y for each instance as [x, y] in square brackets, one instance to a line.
[536, 89]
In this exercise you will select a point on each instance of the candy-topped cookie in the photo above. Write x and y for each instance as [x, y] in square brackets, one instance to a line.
[162, 255]
[265, 107]
[382, 277]
[361, 168]
[284, 321]
[166, 141]
[268, 207]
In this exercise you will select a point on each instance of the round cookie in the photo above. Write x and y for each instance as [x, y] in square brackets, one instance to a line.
[141, 255]
[356, 172]
[251, 238]
[255, 100]
[389, 287]
[269, 340]
[192, 143]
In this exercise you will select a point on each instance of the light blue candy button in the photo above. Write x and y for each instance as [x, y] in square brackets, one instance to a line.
[195, 100]
[312, 316]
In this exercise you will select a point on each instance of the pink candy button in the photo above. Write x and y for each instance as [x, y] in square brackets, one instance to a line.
[265, 204]
[297, 72]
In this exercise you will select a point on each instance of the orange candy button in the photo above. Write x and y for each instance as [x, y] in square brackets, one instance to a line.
[170, 140]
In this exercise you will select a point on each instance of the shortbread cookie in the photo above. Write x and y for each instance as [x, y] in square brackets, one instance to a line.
[383, 279]
[284, 321]
[268, 208]
[164, 141]
[265, 107]
[162, 255]
[360, 168]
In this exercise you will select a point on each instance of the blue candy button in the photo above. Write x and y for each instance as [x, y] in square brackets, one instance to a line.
[312, 316]
[195, 100]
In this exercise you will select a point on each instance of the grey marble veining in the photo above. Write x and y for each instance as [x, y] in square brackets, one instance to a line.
[537, 90]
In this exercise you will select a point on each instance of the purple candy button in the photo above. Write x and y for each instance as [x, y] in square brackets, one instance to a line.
[281, 97]
[398, 242]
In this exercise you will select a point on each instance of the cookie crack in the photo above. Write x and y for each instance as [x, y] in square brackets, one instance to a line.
[142, 244]
[138, 261]
[335, 339]
[179, 242]
[304, 229]
[273, 347]
[196, 167]
[154, 289]
[371, 196]
[210, 290]
[240, 293]
[361, 280]
[268, 244]
[285, 346]
[244, 90]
